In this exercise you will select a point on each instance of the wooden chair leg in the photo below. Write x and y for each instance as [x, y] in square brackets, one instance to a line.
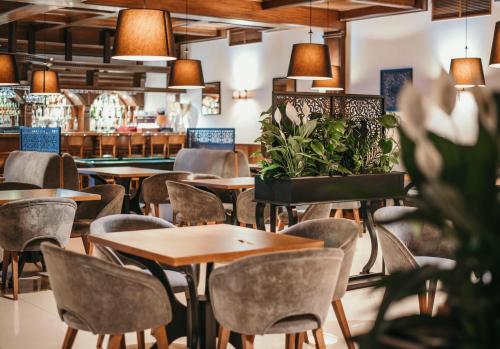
[281, 225]
[5, 268]
[223, 337]
[357, 218]
[157, 210]
[115, 341]
[15, 274]
[141, 342]
[319, 338]
[100, 341]
[160, 333]
[299, 340]
[87, 245]
[422, 303]
[123, 345]
[247, 341]
[69, 338]
[146, 208]
[338, 308]
[431, 295]
[339, 214]
[290, 341]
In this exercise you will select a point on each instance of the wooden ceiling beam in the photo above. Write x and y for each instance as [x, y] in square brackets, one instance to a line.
[270, 4]
[236, 12]
[26, 11]
[402, 4]
[80, 20]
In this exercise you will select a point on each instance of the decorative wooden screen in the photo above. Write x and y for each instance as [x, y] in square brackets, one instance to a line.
[42, 139]
[447, 9]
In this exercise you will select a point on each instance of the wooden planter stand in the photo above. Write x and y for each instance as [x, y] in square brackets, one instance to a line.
[368, 188]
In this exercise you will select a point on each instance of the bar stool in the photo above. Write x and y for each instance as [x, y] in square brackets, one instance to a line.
[159, 139]
[108, 140]
[137, 140]
[176, 140]
[75, 141]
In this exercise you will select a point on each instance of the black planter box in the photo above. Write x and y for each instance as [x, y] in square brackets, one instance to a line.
[305, 190]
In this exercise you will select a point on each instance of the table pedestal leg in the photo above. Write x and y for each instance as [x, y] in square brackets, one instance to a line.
[370, 226]
[125, 182]
[234, 199]
[292, 215]
[273, 218]
[259, 216]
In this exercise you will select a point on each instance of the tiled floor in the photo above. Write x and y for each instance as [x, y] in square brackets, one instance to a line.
[33, 322]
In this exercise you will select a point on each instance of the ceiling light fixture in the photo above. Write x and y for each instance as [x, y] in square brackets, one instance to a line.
[495, 48]
[333, 84]
[186, 73]
[9, 75]
[467, 71]
[310, 61]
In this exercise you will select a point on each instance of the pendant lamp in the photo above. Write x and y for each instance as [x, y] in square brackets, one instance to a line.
[144, 35]
[495, 48]
[8, 70]
[334, 84]
[467, 71]
[186, 73]
[310, 61]
[44, 82]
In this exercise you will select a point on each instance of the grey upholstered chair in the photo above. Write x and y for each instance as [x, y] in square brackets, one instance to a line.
[336, 233]
[154, 189]
[17, 186]
[315, 211]
[26, 224]
[278, 293]
[71, 179]
[193, 206]
[217, 162]
[132, 222]
[409, 245]
[103, 298]
[41, 169]
[111, 203]
[245, 208]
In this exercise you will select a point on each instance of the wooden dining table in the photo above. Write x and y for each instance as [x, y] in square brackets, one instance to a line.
[233, 185]
[182, 247]
[123, 176]
[14, 195]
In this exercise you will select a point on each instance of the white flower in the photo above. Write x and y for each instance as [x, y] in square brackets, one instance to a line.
[292, 114]
[444, 93]
[277, 116]
[428, 159]
[486, 109]
[413, 115]
[306, 111]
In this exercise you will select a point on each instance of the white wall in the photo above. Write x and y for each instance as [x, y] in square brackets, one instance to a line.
[413, 40]
[251, 67]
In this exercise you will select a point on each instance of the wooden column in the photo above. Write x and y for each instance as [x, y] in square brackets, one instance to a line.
[68, 45]
[12, 37]
[336, 42]
[106, 42]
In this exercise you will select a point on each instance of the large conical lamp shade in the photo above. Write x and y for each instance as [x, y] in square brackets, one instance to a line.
[8, 70]
[186, 74]
[310, 62]
[495, 48]
[334, 84]
[44, 82]
[144, 35]
[467, 72]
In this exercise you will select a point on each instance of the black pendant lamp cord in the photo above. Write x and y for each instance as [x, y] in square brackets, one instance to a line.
[186, 50]
[310, 22]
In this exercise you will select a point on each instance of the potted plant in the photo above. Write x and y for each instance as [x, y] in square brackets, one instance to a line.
[455, 169]
[312, 157]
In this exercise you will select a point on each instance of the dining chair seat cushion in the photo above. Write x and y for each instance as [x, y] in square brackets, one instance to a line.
[440, 263]
[346, 205]
[25, 224]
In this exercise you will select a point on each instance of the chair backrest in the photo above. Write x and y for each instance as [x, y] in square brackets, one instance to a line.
[336, 233]
[71, 179]
[111, 202]
[41, 169]
[211, 161]
[395, 236]
[317, 211]
[154, 189]
[26, 223]
[252, 294]
[17, 186]
[194, 205]
[104, 298]
[123, 222]
[245, 207]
